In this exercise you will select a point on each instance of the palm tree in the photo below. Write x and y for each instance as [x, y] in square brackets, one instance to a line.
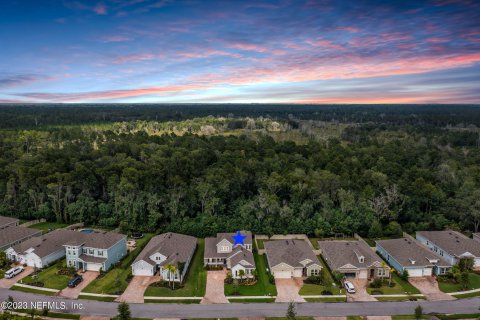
[173, 271]
[168, 267]
[241, 273]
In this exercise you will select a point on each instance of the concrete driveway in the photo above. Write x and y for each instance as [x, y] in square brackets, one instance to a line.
[429, 287]
[73, 293]
[215, 292]
[287, 290]
[8, 283]
[361, 293]
[136, 289]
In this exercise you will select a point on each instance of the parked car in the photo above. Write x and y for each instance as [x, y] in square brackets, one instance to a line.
[349, 286]
[13, 272]
[75, 281]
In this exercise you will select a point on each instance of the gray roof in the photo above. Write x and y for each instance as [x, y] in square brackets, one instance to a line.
[452, 242]
[339, 253]
[92, 259]
[95, 239]
[476, 236]
[176, 247]
[410, 253]
[7, 220]
[12, 234]
[55, 240]
[239, 254]
[291, 252]
[211, 244]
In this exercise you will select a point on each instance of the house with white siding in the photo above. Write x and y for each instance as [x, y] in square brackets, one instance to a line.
[164, 250]
[451, 245]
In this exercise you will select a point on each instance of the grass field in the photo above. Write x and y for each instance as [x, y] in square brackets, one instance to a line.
[195, 283]
[49, 277]
[44, 226]
[30, 290]
[455, 287]
[400, 287]
[104, 299]
[116, 280]
[263, 287]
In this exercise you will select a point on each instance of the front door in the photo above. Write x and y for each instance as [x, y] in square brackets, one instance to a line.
[372, 273]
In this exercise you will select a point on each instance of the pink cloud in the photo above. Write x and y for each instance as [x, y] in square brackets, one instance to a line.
[204, 53]
[348, 29]
[100, 9]
[115, 38]
[134, 58]
[247, 47]
[326, 44]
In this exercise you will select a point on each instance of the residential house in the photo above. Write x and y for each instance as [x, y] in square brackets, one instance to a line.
[166, 249]
[11, 235]
[291, 258]
[476, 236]
[86, 251]
[451, 245]
[354, 259]
[41, 251]
[8, 221]
[95, 251]
[222, 251]
[407, 254]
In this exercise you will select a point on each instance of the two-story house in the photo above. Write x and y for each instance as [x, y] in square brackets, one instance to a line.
[95, 251]
[451, 245]
[222, 251]
[167, 249]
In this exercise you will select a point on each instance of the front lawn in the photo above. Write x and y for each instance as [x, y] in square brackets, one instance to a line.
[400, 287]
[45, 226]
[116, 280]
[263, 287]
[474, 283]
[315, 289]
[195, 282]
[49, 278]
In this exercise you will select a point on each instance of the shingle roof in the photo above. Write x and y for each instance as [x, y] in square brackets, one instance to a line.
[240, 254]
[92, 259]
[176, 247]
[7, 220]
[11, 234]
[291, 252]
[339, 253]
[229, 235]
[211, 244]
[476, 236]
[56, 239]
[454, 243]
[410, 253]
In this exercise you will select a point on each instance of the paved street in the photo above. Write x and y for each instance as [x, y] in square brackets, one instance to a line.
[98, 308]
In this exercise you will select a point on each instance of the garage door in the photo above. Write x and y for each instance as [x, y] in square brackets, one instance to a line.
[282, 274]
[94, 266]
[350, 275]
[476, 262]
[415, 272]
[142, 272]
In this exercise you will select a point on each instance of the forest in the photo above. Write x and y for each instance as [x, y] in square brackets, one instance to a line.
[201, 169]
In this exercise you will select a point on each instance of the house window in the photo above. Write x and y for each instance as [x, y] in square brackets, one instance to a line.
[69, 252]
[441, 253]
[91, 251]
[100, 253]
[314, 272]
[382, 272]
[224, 248]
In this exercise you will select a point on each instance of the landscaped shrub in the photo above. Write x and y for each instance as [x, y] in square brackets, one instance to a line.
[376, 291]
[37, 284]
[327, 293]
[376, 283]
[314, 280]
[404, 275]
[271, 278]
[214, 267]
[166, 284]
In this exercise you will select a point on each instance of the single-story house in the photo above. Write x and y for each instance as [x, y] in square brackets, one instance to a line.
[166, 249]
[355, 259]
[222, 251]
[95, 251]
[291, 258]
[451, 245]
[13, 235]
[8, 221]
[476, 236]
[40, 251]
[86, 251]
[407, 254]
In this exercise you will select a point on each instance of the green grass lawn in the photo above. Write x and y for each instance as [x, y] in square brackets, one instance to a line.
[183, 301]
[263, 287]
[195, 283]
[314, 242]
[44, 226]
[314, 289]
[116, 280]
[251, 300]
[31, 290]
[400, 287]
[260, 243]
[327, 299]
[455, 287]
[49, 277]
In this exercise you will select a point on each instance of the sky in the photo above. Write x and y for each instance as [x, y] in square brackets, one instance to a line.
[285, 51]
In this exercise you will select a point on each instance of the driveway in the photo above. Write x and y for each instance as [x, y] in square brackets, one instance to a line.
[215, 292]
[8, 283]
[73, 293]
[429, 287]
[287, 290]
[136, 289]
[361, 293]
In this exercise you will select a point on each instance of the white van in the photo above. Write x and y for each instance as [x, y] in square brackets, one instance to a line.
[349, 286]
[13, 272]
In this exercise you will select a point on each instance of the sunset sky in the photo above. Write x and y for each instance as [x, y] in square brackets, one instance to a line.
[240, 51]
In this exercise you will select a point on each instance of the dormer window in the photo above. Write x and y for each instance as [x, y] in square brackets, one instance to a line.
[412, 261]
[224, 248]
[361, 259]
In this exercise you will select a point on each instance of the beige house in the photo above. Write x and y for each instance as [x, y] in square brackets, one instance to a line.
[291, 259]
